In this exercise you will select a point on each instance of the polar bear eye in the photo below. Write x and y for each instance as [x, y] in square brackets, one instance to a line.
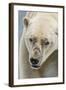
[47, 43]
[30, 39]
[33, 40]
[44, 42]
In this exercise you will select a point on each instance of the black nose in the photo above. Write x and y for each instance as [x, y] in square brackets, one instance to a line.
[34, 61]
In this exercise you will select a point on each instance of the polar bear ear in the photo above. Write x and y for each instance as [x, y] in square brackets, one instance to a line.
[26, 21]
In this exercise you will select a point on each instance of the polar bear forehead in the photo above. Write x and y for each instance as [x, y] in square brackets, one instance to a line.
[41, 19]
[42, 14]
[45, 20]
[42, 24]
[38, 32]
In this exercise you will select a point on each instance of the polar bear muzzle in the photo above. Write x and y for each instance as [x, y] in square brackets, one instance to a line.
[34, 63]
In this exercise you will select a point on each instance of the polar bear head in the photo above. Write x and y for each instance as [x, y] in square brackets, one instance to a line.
[41, 36]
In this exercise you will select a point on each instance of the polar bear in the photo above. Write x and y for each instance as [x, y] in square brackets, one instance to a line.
[38, 41]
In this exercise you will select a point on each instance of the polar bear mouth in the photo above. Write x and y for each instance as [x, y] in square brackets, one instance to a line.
[35, 66]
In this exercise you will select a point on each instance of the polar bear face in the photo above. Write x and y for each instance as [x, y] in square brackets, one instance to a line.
[40, 38]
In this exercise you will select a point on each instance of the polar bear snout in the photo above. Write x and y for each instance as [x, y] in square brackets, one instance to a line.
[35, 57]
[36, 52]
[34, 63]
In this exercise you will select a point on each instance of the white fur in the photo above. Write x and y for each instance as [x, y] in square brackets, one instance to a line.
[40, 25]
